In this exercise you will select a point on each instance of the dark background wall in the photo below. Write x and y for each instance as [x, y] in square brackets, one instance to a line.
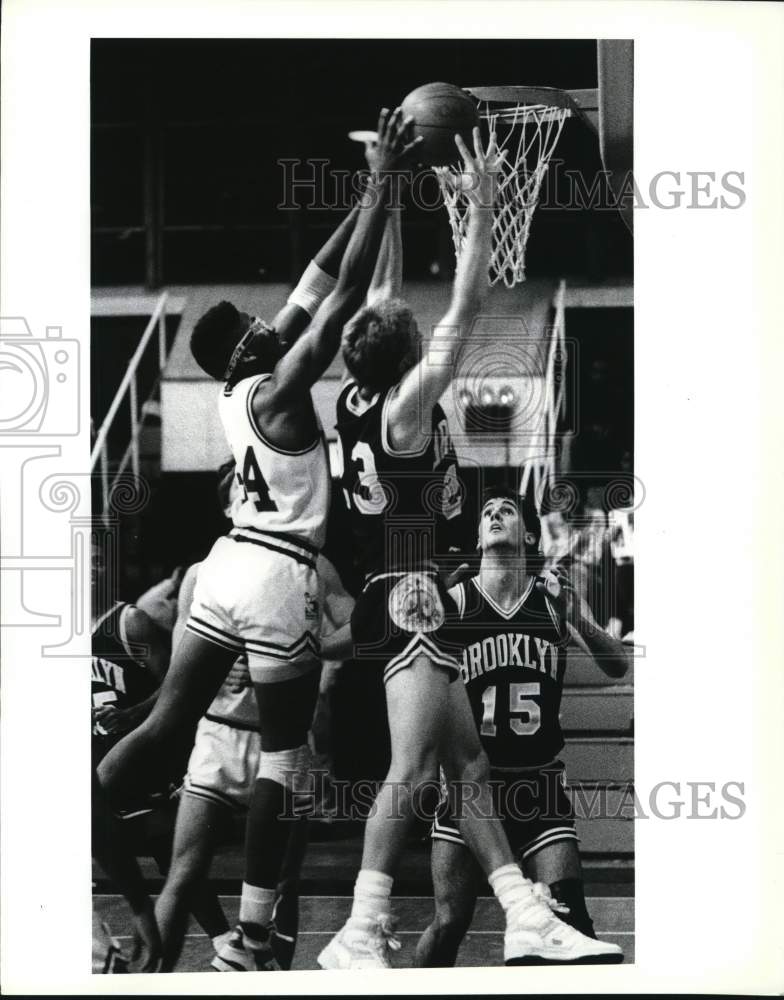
[187, 137]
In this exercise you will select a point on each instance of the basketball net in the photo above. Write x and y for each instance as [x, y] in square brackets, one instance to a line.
[529, 134]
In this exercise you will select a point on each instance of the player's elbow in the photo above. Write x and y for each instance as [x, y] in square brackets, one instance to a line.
[621, 664]
[468, 763]
[616, 663]
[458, 322]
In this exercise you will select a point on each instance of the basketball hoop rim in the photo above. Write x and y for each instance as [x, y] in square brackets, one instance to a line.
[508, 101]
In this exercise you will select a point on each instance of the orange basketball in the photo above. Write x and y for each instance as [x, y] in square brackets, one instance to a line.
[440, 111]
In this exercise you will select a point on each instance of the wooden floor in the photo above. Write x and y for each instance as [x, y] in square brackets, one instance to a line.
[322, 916]
[328, 873]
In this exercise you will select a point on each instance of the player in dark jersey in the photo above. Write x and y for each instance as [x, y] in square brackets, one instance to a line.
[129, 659]
[130, 656]
[514, 626]
[400, 481]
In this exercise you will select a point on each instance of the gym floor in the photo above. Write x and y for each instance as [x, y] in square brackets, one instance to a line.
[327, 877]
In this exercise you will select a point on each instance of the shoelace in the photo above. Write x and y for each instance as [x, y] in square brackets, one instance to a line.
[387, 925]
[542, 892]
[537, 909]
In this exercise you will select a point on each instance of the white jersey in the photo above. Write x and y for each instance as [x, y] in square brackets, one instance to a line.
[280, 491]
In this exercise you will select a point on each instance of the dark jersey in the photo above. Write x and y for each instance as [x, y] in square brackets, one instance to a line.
[404, 508]
[513, 668]
[119, 678]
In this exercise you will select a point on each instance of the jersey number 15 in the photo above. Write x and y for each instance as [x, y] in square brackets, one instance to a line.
[525, 718]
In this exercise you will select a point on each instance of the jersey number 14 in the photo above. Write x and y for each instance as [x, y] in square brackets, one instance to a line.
[253, 484]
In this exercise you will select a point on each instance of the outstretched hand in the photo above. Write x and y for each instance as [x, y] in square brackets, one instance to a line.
[393, 143]
[559, 589]
[479, 179]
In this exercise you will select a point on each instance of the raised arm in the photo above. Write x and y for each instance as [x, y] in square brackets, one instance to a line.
[318, 280]
[421, 388]
[321, 275]
[388, 276]
[609, 654]
[312, 354]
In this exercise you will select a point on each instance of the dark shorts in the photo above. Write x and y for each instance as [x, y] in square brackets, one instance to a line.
[533, 805]
[400, 616]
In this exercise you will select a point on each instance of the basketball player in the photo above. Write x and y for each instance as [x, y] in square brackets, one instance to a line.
[257, 591]
[129, 659]
[218, 786]
[402, 487]
[113, 852]
[513, 634]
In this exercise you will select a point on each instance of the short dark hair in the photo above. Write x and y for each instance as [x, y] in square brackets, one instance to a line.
[380, 344]
[215, 337]
[524, 504]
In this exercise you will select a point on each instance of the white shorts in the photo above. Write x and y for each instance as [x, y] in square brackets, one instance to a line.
[223, 764]
[258, 594]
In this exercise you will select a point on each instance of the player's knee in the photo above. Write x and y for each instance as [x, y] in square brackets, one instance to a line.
[416, 765]
[474, 767]
[188, 864]
[464, 759]
[184, 873]
[288, 768]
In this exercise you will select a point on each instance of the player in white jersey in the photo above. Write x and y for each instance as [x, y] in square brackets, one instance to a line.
[219, 784]
[258, 589]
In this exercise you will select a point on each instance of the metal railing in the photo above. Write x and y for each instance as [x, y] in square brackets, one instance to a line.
[100, 452]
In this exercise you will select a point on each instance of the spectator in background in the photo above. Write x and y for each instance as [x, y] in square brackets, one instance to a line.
[597, 548]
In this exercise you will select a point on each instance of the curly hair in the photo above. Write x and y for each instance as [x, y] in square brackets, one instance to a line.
[214, 338]
[380, 344]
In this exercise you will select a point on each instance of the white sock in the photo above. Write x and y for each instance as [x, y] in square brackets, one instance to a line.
[509, 886]
[371, 898]
[256, 906]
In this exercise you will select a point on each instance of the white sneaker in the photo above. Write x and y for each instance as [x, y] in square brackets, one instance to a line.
[235, 956]
[535, 936]
[352, 948]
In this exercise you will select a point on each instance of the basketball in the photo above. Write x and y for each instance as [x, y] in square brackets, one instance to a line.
[440, 110]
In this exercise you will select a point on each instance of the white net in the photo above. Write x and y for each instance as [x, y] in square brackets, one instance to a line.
[529, 134]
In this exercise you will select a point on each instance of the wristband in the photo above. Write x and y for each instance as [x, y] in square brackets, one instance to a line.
[313, 287]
